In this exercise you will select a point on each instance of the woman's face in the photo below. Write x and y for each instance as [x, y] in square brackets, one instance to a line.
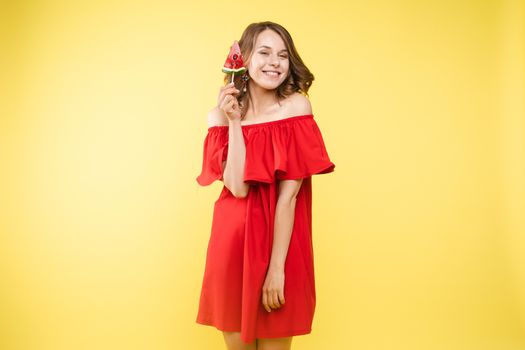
[269, 62]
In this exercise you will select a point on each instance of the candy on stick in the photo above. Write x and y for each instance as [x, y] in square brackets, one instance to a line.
[234, 62]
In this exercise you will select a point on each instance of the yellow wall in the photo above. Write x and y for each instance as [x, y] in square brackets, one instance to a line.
[419, 232]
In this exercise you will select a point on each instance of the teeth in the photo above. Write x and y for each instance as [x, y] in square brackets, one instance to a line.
[272, 73]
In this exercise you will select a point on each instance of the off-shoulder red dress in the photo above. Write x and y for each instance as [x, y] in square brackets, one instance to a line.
[240, 244]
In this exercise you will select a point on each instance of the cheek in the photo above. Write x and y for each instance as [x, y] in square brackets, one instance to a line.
[255, 64]
[285, 67]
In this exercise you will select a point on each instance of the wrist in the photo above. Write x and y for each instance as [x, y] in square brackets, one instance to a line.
[234, 122]
[276, 266]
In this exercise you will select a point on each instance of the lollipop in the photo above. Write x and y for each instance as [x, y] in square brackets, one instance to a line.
[234, 62]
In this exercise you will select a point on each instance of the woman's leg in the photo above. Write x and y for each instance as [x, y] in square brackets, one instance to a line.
[274, 343]
[234, 342]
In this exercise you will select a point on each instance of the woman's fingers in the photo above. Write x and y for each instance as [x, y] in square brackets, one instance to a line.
[271, 299]
[265, 302]
[226, 87]
[229, 102]
[225, 90]
[281, 296]
[230, 92]
[230, 106]
[226, 97]
[275, 300]
[226, 100]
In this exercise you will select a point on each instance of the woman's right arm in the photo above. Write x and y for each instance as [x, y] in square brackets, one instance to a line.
[233, 168]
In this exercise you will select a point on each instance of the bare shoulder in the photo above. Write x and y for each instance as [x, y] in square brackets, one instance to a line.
[216, 117]
[298, 104]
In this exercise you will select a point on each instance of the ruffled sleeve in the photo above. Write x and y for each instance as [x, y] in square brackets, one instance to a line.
[285, 150]
[214, 153]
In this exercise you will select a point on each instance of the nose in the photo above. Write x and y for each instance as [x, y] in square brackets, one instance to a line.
[274, 60]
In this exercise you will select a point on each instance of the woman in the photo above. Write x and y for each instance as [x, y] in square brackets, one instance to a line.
[264, 144]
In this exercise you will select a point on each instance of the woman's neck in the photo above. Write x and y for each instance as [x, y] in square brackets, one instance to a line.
[262, 101]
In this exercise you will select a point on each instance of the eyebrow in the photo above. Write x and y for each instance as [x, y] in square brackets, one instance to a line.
[268, 47]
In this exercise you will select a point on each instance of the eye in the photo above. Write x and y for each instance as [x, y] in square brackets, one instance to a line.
[263, 53]
[284, 56]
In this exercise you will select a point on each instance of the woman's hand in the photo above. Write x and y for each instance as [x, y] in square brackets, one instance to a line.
[273, 289]
[228, 103]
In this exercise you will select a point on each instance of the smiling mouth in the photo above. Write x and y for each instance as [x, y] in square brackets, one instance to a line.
[271, 73]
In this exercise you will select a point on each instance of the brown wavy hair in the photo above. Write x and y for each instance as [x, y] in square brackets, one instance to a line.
[299, 77]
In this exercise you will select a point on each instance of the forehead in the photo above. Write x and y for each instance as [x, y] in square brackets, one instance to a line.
[271, 39]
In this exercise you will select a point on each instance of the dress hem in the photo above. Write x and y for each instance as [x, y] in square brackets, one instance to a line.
[325, 169]
[258, 335]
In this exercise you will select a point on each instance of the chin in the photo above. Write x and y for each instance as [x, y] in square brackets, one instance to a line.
[270, 86]
[266, 83]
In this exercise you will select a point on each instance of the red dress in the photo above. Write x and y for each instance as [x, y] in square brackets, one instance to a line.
[240, 244]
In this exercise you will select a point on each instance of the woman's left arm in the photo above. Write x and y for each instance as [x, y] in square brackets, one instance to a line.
[273, 289]
[284, 219]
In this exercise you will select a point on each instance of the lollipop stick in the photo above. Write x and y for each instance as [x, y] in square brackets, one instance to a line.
[233, 74]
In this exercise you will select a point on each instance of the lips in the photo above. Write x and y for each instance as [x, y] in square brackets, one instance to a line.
[272, 73]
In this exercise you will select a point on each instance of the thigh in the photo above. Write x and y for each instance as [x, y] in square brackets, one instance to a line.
[234, 342]
[274, 343]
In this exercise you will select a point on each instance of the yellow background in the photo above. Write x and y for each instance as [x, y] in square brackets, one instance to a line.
[418, 234]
